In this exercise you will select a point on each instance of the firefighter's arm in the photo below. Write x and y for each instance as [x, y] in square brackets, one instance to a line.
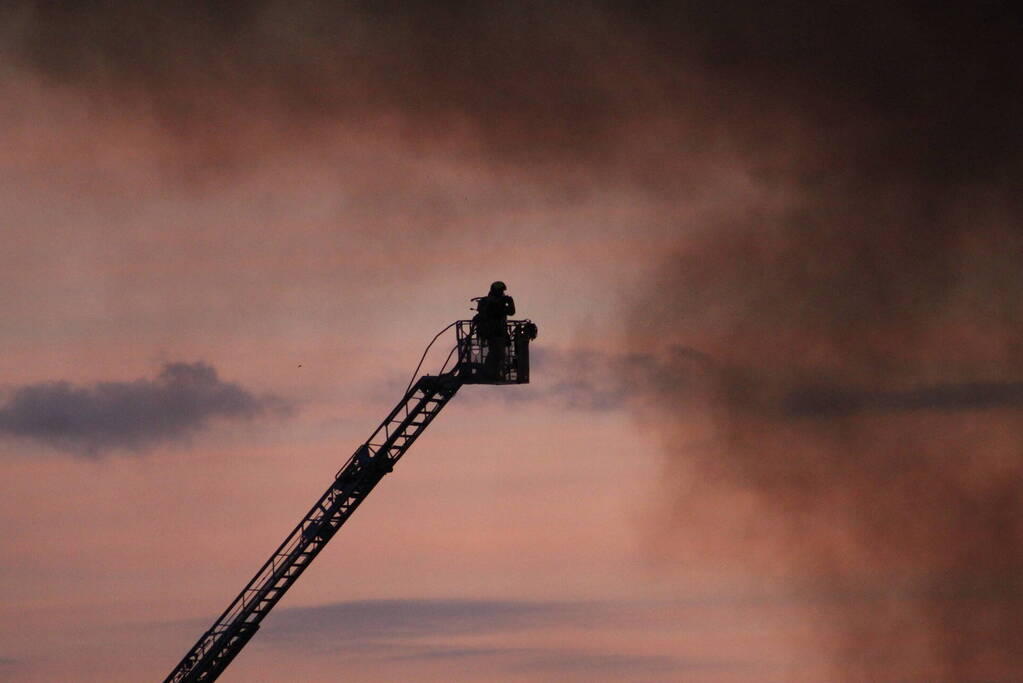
[509, 305]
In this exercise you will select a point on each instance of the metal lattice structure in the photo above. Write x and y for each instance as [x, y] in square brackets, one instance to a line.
[425, 398]
[472, 353]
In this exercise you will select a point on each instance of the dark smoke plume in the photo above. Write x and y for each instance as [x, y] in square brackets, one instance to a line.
[128, 415]
[831, 401]
[874, 312]
[588, 380]
[860, 297]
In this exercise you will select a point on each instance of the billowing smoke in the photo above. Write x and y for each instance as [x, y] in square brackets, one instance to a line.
[833, 191]
[869, 323]
[128, 416]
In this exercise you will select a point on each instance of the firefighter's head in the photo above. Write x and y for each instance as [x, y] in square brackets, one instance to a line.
[497, 289]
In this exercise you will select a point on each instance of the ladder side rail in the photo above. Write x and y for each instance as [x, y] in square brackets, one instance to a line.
[441, 396]
[242, 629]
[393, 419]
[270, 572]
[266, 573]
[262, 604]
[372, 441]
[217, 666]
[408, 432]
[328, 526]
[273, 564]
[356, 480]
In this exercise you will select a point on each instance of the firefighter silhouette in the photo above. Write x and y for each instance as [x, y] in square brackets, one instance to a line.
[492, 327]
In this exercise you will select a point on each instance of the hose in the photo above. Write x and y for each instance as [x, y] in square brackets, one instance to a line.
[415, 373]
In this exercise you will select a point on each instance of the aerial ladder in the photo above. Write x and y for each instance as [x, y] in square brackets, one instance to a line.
[425, 397]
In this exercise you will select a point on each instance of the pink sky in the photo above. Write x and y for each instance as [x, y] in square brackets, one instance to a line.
[773, 427]
[117, 562]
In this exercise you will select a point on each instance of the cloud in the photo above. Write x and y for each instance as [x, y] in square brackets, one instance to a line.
[129, 416]
[583, 379]
[874, 241]
[834, 401]
[397, 619]
[602, 381]
[399, 630]
[875, 430]
[625, 665]
[661, 96]
[599, 381]
[873, 279]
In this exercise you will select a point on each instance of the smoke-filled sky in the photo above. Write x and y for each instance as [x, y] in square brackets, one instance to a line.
[774, 431]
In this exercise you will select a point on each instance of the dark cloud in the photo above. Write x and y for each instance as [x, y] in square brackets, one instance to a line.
[830, 401]
[877, 249]
[601, 381]
[874, 286]
[500, 78]
[853, 487]
[873, 283]
[625, 665]
[646, 94]
[652, 91]
[414, 630]
[554, 660]
[393, 619]
[833, 321]
[131, 416]
[589, 380]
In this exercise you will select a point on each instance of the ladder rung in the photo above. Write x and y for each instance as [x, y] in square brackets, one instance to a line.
[412, 415]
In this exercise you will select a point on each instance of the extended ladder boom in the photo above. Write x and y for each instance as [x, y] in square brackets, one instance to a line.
[353, 482]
